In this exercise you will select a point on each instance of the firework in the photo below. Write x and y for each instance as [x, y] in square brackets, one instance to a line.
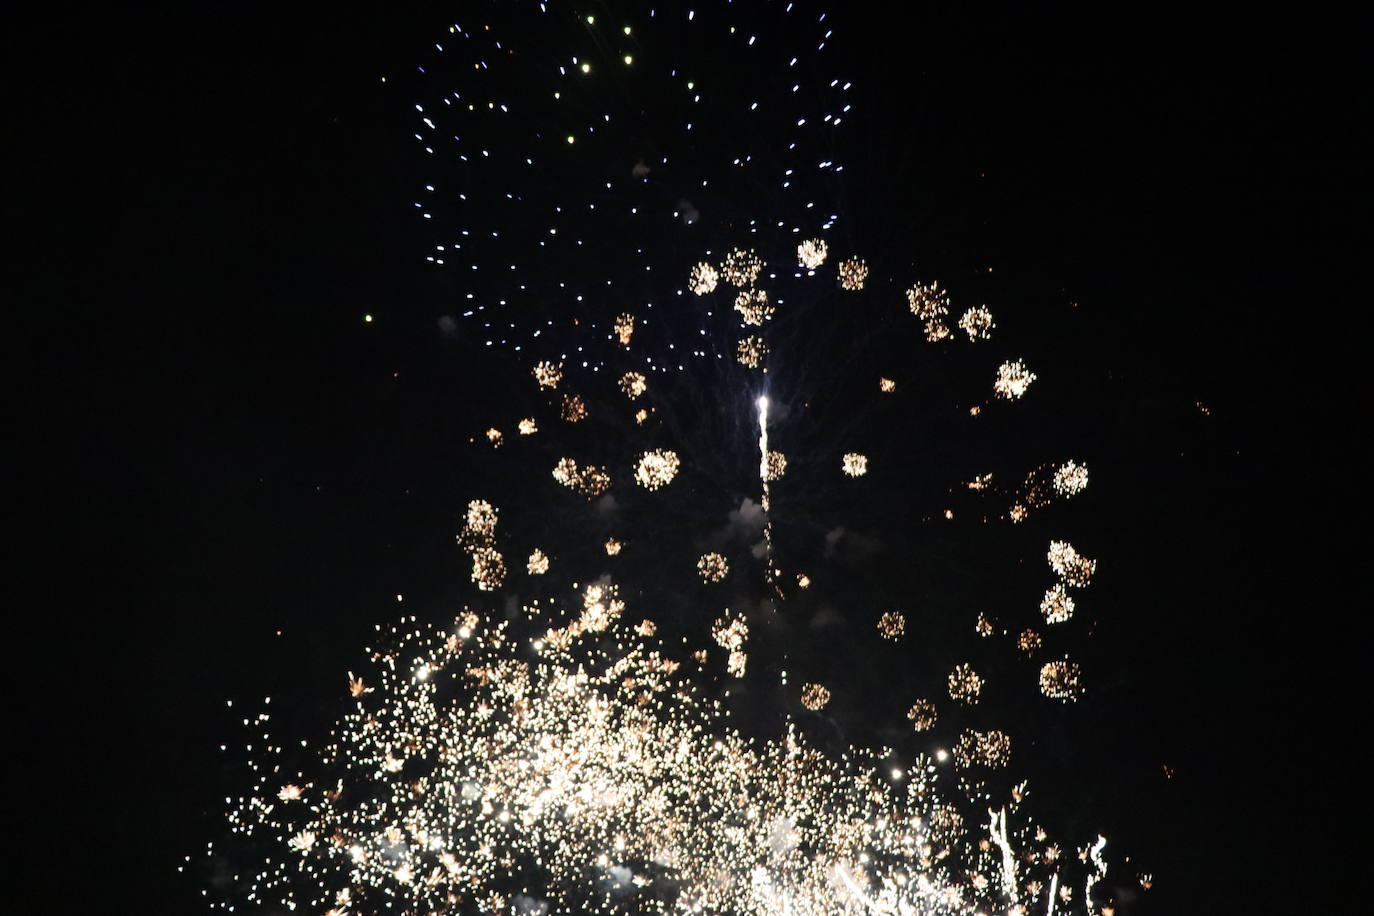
[928, 301]
[965, 685]
[574, 409]
[624, 328]
[751, 351]
[1070, 479]
[853, 272]
[703, 279]
[741, 268]
[561, 762]
[730, 633]
[892, 624]
[815, 696]
[1013, 378]
[1073, 569]
[590, 480]
[753, 307]
[482, 764]
[712, 567]
[922, 715]
[977, 323]
[656, 468]
[1061, 680]
[633, 384]
[1057, 606]
[488, 568]
[777, 465]
[811, 253]
[548, 374]
[990, 749]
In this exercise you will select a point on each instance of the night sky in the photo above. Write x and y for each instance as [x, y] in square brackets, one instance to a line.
[223, 191]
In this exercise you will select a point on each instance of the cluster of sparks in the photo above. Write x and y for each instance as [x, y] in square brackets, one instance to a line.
[853, 273]
[1013, 378]
[656, 468]
[713, 567]
[477, 538]
[811, 253]
[589, 480]
[892, 625]
[854, 464]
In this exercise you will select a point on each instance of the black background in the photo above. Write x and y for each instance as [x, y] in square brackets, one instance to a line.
[219, 193]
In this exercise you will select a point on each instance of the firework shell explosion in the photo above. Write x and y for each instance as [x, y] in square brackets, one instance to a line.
[656, 714]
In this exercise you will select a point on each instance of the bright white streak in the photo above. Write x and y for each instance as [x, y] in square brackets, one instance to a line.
[998, 828]
[762, 403]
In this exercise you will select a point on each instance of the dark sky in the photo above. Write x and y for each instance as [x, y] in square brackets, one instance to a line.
[220, 193]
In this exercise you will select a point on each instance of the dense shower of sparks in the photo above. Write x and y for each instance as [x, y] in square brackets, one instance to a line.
[613, 547]
[886, 385]
[538, 563]
[1061, 680]
[854, 464]
[751, 351]
[633, 384]
[741, 268]
[965, 685]
[494, 437]
[485, 763]
[1029, 642]
[703, 279]
[815, 696]
[977, 323]
[528, 427]
[1013, 378]
[853, 272]
[811, 253]
[892, 624]
[656, 468]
